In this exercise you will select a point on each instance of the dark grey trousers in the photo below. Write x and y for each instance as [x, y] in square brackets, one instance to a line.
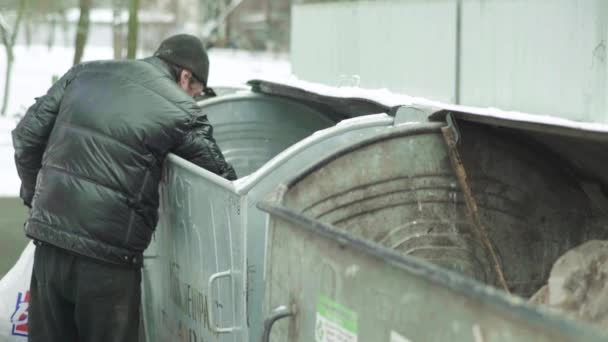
[75, 298]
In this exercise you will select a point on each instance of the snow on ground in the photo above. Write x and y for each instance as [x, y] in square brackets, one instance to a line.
[106, 16]
[35, 67]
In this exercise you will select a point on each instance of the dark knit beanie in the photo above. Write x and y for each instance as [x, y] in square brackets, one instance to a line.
[185, 51]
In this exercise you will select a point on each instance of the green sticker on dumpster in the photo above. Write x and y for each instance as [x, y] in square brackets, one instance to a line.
[335, 323]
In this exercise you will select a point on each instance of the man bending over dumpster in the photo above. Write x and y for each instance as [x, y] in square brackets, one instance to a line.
[89, 154]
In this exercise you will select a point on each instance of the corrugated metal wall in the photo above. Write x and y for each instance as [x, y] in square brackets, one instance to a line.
[539, 56]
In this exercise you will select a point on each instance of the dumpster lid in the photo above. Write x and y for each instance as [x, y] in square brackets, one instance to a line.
[346, 106]
[582, 145]
[524, 121]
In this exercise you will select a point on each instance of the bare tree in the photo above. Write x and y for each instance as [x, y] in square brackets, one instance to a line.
[50, 41]
[217, 13]
[118, 29]
[132, 34]
[9, 37]
[55, 12]
[82, 31]
[45, 17]
[65, 27]
[28, 26]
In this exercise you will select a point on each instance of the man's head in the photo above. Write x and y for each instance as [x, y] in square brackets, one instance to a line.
[189, 83]
[186, 52]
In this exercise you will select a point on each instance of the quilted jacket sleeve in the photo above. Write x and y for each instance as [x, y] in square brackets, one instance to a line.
[31, 135]
[199, 147]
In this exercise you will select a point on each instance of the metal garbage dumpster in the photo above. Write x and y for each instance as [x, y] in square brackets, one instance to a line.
[330, 285]
[379, 177]
[400, 190]
[203, 276]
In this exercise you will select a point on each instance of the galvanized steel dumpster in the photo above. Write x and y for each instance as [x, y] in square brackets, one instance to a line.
[203, 276]
[399, 189]
[338, 287]
[336, 226]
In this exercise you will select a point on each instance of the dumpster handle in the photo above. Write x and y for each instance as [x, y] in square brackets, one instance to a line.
[212, 323]
[277, 314]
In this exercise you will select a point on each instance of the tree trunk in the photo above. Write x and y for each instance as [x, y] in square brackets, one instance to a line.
[65, 27]
[82, 31]
[28, 32]
[132, 34]
[117, 29]
[7, 78]
[50, 42]
[8, 39]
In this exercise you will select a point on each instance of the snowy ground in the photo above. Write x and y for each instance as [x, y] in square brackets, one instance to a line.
[35, 67]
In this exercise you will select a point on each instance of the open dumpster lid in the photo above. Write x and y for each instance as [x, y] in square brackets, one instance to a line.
[345, 106]
[582, 145]
[525, 121]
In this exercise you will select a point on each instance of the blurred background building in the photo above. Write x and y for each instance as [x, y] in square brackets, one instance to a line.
[538, 56]
[261, 25]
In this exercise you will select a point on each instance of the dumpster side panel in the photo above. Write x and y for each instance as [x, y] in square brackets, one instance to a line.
[262, 184]
[342, 291]
[193, 272]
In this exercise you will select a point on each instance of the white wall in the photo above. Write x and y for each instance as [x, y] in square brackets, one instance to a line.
[538, 56]
[407, 46]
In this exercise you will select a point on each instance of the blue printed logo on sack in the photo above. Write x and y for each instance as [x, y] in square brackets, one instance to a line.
[19, 317]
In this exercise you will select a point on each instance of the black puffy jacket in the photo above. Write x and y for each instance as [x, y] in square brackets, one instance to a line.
[90, 152]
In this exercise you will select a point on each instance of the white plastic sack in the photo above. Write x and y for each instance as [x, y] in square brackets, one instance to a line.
[15, 297]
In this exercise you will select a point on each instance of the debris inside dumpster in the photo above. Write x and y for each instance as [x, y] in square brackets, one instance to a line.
[577, 284]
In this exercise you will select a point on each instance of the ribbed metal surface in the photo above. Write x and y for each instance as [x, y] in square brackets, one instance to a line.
[198, 236]
[535, 56]
[374, 294]
[399, 190]
[251, 128]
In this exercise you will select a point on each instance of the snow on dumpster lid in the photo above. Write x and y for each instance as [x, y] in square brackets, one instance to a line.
[348, 106]
[383, 100]
[524, 121]
[581, 146]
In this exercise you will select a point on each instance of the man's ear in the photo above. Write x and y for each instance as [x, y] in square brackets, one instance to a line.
[184, 78]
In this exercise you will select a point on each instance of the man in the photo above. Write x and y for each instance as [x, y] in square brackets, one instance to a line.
[89, 154]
